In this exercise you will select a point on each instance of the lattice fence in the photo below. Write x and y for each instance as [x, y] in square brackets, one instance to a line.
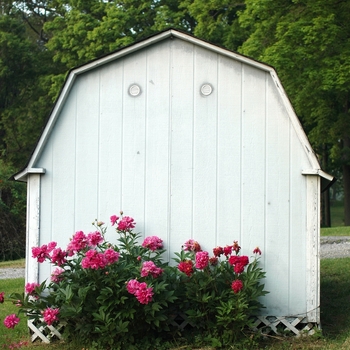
[264, 324]
[278, 325]
[40, 330]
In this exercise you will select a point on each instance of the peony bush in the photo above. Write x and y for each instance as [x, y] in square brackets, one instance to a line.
[125, 296]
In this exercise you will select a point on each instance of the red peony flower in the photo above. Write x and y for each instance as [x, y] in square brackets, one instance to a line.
[236, 248]
[227, 250]
[186, 267]
[237, 286]
[257, 251]
[218, 251]
[238, 268]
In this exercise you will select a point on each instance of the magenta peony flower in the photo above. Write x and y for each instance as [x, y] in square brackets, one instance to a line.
[11, 321]
[50, 315]
[114, 219]
[56, 275]
[78, 243]
[126, 224]
[202, 260]
[42, 253]
[30, 287]
[111, 256]
[149, 268]
[2, 297]
[143, 294]
[132, 286]
[94, 260]
[94, 238]
[153, 243]
[58, 256]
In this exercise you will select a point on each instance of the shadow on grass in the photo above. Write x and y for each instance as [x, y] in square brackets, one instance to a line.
[335, 297]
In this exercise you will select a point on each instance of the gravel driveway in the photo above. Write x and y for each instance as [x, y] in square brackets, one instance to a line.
[331, 248]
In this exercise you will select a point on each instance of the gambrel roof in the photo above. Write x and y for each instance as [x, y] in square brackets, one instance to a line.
[315, 168]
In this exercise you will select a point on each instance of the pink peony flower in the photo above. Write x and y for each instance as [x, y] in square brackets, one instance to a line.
[42, 253]
[202, 260]
[114, 219]
[56, 275]
[2, 297]
[94, 238]
[153, 243]
[237, 286]
[11, 321]
[143, 294]
[50, 315]
[78, 243]
[58, 256]
[149, 268]
[111, 256]
[191, 246]
[132, 286]
[30, 288]
[186, 267]
[94, 260]
[126, 224]
[257, 251]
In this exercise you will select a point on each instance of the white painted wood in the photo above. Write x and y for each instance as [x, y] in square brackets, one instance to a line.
[228, 212]
[313, 248]
[157, 145]
[205, 138]
[182, 92]
[33, 226]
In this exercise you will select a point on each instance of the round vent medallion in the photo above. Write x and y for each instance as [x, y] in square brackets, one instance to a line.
[134, 90]
[206, 89]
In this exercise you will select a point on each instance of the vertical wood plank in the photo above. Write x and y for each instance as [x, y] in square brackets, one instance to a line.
[229, 152]
[181, 152]
[158, 144]
[205, 148]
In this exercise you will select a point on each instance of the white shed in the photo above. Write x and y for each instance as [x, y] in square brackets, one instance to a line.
[193, 141]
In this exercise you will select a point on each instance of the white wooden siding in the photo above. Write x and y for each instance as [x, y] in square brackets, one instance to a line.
[215, 168]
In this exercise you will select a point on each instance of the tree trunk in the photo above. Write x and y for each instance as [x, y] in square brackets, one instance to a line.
[326, 209]
[325, 196]
[346, 184]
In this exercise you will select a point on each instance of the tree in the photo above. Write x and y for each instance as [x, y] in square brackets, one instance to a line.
[308, 43]
[217, 21]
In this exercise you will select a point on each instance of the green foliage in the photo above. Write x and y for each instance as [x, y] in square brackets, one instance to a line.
[217, 21]
[125, 297]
